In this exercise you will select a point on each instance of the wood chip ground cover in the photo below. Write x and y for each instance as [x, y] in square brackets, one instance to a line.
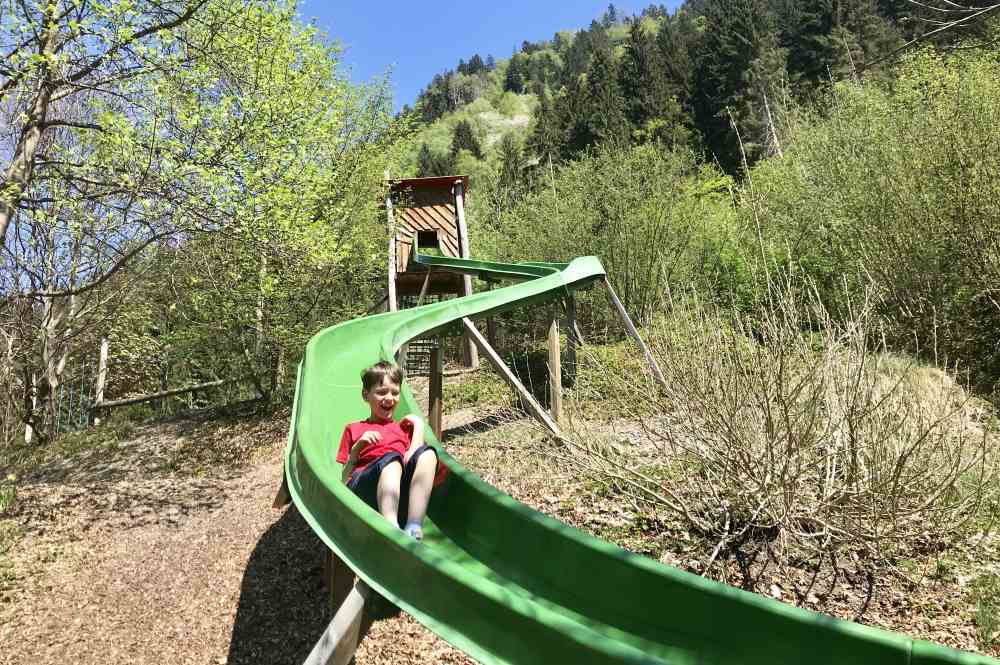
[164, 548]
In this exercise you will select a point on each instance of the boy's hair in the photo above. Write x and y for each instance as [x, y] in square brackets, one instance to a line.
[372, 377]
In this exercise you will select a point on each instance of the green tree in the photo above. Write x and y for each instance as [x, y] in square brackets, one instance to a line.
[218, 123]
[642, 76]
[605, 116]
[464, 138]
[431, 164]
[545, 141]
[739, 70]
[514, 79]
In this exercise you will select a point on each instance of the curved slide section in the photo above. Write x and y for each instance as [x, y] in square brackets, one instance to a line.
[507, 584]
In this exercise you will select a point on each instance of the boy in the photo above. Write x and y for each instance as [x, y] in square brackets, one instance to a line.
[386, 463]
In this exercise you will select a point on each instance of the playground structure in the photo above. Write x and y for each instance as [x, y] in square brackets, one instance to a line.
[498, 580]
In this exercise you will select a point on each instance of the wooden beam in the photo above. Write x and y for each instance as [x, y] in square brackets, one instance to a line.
[469, 347]
[634, 332]
[337, 644]
[435, 390]
[165, 393]
[529, 400]
[102, 377]
[555, 371]
[423, 288]
[392, 246]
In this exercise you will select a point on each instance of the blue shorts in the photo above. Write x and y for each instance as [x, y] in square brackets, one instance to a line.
[364, 483]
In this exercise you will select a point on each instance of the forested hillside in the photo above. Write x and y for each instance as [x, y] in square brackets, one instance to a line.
[723, 77]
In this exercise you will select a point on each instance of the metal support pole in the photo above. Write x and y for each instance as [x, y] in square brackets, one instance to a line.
[435, 389]
[634, 332]
[529, 400]
[572, 340]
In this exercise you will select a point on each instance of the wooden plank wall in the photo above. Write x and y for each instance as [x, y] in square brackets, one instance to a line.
[426, 210]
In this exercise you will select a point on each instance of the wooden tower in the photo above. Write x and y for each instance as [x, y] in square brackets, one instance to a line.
[428, 214]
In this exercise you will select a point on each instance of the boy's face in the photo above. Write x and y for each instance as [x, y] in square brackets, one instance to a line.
[382, 399]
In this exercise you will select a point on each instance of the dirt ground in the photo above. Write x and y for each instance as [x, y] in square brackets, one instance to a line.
[164, 548]
[130, 561]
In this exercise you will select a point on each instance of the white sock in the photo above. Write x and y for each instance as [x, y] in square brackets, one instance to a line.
[415, 530]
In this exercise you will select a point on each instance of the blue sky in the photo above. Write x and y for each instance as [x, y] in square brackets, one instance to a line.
[419, 39]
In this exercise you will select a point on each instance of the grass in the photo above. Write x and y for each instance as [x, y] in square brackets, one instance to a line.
[986, 598]
[8, 492]
[23, 458]
[10, 534]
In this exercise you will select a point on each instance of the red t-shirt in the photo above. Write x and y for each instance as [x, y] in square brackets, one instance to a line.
[396, 437]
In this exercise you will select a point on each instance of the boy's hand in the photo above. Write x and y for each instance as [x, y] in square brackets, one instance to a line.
[371, 436]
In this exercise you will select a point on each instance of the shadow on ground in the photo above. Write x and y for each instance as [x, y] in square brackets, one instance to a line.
[283, 608]
[480, 426]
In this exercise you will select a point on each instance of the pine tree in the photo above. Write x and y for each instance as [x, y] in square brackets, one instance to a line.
[605, 109]
[610, 16]
[463, 138]
[678, 39]
[577, 57]
[430, 164]
[514, 81]
[545, 140]
[642, 77]
[739, 66]
[509, 179]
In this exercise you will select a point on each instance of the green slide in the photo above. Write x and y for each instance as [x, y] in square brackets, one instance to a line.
[507, 584]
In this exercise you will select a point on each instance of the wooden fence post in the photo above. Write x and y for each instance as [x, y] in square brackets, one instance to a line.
[555, 371]
[102, 377]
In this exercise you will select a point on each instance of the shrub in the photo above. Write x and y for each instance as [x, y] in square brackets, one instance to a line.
[896, 185]
[799, 437]
[656, 219]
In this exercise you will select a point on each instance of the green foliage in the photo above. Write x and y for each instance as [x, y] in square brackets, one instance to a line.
[8, 492]
[657, 220]
[463, 138]
[986, 596]
[909, 203]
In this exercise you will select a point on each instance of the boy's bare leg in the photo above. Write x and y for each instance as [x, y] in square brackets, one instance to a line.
[421, 486]
[388, 492]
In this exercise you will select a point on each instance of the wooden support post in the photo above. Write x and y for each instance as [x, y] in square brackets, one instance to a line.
[338, 577]
[634, 332]
[29, 430]
[529, 400]
[555, 371]
[102, 377]
[435, 390]
[572, 339]
[468, 347]
[391, 295]
[424, 286]
[283, 497]
[337, 644]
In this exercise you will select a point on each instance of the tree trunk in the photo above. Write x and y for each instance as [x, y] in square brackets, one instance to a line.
[17, 177]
